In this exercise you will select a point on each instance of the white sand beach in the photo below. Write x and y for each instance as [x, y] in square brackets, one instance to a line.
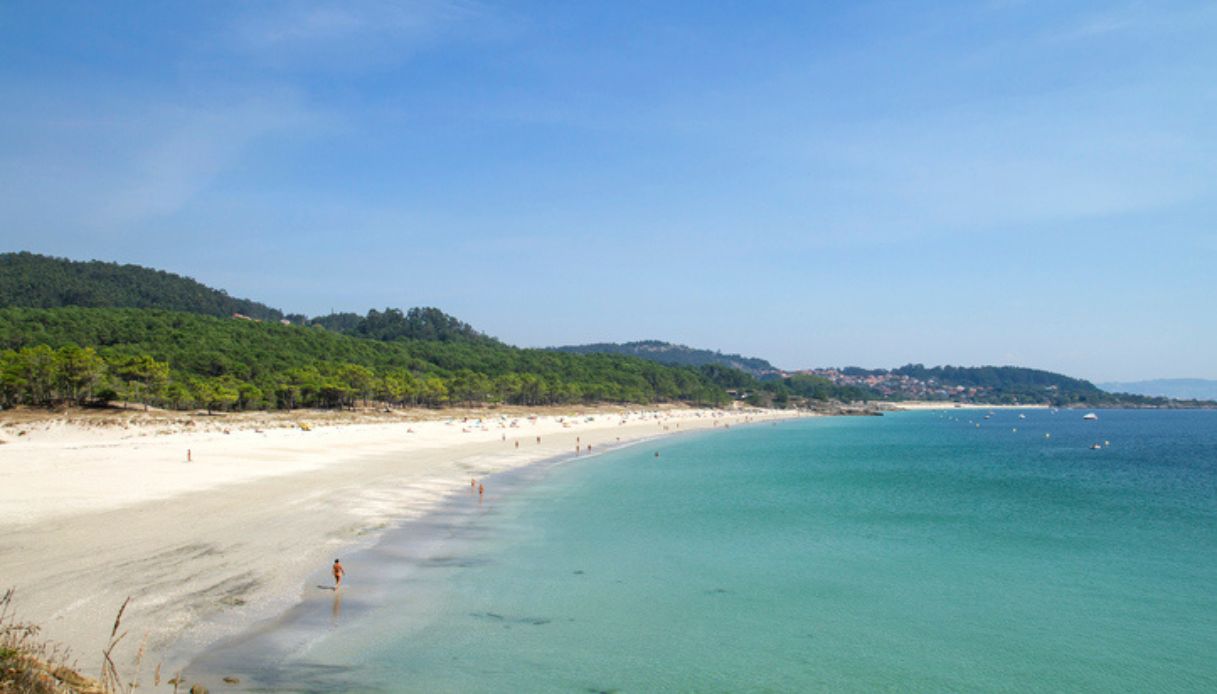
[91, 514]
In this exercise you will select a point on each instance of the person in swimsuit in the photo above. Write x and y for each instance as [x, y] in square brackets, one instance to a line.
[339, 572]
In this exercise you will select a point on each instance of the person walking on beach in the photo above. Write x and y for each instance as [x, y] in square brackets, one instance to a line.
[339, 572]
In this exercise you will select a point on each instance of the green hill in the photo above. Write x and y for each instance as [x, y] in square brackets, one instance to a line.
[83, 331]
[176, 359]
[392, 324]
[992, 385]
[38, 281]
[1010, 382]
[94, 331]
[680, 355]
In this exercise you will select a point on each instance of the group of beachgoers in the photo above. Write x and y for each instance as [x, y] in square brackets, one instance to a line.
[339, 571]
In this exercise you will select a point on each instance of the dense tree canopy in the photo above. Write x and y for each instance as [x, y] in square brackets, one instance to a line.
[393, 324]
[176, 359]
[1013, 383]
[782, 391]
[678, 355]
[87, 331]
[39, 281]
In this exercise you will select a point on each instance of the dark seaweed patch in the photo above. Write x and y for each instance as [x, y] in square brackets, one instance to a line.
[496, 617]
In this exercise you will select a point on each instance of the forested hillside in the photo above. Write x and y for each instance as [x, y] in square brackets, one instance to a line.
[393, 324]
[991, 385]
[1011, 383]
[93, 331]
[176, 359]
[89, 332]
[681, 355]
[39, 281]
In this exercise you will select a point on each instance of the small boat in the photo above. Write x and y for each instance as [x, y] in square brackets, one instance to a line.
[1090, 416]
[1022, 416]
[1096, 447]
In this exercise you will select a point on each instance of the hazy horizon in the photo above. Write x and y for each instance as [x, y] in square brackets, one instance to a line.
[865, 184]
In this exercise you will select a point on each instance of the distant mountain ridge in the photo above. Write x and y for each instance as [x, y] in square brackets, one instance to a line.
[1180, 388]
[674, 354]
[29, 280]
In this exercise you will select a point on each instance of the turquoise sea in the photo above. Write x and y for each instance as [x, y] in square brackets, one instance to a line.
[915, 552]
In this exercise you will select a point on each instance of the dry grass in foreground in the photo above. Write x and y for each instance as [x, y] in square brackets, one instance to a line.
[29, 665]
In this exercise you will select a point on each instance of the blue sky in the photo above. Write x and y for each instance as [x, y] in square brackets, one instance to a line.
[862, 183]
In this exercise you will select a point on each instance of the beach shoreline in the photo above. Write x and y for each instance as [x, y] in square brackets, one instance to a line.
[266, 653]
[919, 405]
[216, 525]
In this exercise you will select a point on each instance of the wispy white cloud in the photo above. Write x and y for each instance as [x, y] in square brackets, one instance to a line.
[343, 35]
[119, 165]
[1093, 26]
[188, 147]
[1010, 170]
[895, 183]
[106, 158]
[1131, 18]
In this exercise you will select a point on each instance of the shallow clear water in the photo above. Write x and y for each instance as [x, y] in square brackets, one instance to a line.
[912, 552]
